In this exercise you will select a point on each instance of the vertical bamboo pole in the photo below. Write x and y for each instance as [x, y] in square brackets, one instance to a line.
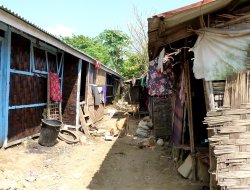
[190, 113]
[206, 94]
[247, 87]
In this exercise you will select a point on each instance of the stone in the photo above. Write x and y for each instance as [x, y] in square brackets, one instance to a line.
[160, 142]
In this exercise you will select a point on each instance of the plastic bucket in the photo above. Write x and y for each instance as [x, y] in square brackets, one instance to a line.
[49, 132]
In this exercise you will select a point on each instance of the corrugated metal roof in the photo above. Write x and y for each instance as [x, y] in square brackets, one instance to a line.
[172, 26]
[188, 7]
[89, 58]
[187, 13]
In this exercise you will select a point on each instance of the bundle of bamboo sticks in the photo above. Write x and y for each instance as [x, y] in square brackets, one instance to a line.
[230, 139]
[237, 90]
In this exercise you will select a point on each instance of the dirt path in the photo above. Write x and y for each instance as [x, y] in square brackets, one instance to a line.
[96, 165]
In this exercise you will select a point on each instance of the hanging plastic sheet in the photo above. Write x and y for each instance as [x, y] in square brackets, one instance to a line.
[220, 52]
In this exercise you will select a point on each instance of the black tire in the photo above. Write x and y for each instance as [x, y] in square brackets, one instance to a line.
[64, 136]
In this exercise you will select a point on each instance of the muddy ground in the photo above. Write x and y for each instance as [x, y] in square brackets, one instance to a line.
[93, 164]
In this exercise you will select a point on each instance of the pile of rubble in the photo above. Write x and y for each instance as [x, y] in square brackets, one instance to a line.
[144, 135]
[145, 127]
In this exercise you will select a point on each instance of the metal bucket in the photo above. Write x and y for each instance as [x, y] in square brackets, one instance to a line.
[49, 132]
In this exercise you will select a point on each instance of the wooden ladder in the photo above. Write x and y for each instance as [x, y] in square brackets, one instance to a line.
[85, 119]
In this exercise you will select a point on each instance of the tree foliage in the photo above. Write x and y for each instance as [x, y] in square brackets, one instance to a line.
[89, 46]
[117, 43]
[112, 48]
[132, 66]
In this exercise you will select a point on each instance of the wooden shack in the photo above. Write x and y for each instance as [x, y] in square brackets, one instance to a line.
[27, 54]
[206, 43]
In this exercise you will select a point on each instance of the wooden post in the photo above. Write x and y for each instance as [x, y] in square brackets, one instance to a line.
[78, 93]
[190, 118]
[48, 95]
[190, 115]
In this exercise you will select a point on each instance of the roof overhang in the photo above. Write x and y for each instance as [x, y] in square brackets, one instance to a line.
[172, 26]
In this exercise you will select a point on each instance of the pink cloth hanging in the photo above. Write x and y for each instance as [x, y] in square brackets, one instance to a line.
[55, 91]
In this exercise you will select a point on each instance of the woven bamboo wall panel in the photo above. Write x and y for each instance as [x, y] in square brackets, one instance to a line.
[20, 53]
[96, 112]
[52, 62]
[70, 89]
[162, 119]
[92, 74]
[27, 90]
[40, 59]
[90, 96]
[230, 141]
[24, 122]
[231, 147]
[101, 78]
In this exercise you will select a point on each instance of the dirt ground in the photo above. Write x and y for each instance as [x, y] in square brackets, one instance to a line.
[93, 164]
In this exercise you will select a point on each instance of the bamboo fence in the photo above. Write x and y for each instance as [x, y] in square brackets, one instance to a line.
[230, 139]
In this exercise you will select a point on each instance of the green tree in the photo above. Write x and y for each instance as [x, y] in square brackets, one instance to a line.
[80, 42]
[91, 47]
[112, 48]
[117, 43]
[132, 66]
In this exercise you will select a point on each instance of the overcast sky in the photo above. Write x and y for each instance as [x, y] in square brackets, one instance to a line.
[88, 17]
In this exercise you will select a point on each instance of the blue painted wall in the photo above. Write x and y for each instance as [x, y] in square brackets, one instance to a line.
[5, 79]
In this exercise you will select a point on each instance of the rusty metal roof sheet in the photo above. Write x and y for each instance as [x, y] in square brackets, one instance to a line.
[188, 7]
[186, 13]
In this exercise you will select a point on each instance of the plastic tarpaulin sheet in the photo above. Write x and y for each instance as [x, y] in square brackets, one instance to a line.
[220, 52]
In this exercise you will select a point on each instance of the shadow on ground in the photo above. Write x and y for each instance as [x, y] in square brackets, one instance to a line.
[126, 166]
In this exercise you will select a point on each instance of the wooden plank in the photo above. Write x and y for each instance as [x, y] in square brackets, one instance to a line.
[78, 107]
[83, 122]
[190, 118]
[48, 95]
[20, 140]
[5, 87]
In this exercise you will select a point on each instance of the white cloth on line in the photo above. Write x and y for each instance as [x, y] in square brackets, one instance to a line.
[99, 89]
[160, 60]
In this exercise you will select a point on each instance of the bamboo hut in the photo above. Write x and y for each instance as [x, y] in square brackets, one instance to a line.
[207, 44]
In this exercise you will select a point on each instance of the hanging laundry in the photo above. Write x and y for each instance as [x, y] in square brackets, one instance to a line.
[143, 80]
[160, 60]
[160, 84]
[55, 91]
[104, 89]
[182, 88]
[97, 64]
[133, 81]
[99, 88]
[96, 96]
[121, 83]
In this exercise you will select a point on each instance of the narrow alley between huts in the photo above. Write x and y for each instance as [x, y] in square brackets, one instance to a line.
[94, 163]
[161, 105]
